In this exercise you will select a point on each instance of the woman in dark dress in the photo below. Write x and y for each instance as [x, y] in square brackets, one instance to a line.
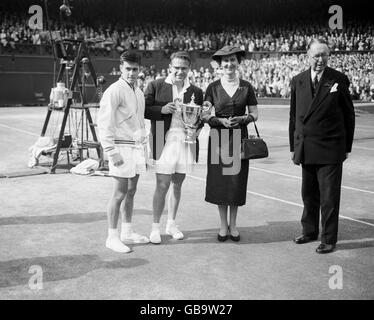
[226, 184]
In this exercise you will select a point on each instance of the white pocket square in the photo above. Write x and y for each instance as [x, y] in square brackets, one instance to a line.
[334, 88]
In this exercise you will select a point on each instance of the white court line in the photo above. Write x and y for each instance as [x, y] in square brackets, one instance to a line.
[365, 126]
[20, 130]
[273, 106]
[299, 178]
[272, 136]
[356, 240]
[363, 148]
[275, 172]
[366, 130]
[282, 137]
[285, 201]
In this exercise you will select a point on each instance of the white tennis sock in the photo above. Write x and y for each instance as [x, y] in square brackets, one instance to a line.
[155, 226]
[126, 228]
[113, 233]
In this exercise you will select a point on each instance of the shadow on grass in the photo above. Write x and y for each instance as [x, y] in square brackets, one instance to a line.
[280, 231]
[55, 268]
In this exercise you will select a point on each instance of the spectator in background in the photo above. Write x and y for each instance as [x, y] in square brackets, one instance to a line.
[3, 38]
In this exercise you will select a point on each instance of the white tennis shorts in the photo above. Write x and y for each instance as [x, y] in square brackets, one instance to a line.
[176, 156]
[134, 158]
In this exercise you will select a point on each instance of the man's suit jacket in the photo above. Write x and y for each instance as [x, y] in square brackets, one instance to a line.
[321, 128]
[157, 94]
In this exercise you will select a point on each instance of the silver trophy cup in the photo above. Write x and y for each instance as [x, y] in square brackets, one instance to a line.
[191, 116]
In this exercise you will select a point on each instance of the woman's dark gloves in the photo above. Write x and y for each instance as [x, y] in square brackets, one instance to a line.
[214, 122]
[234, 121]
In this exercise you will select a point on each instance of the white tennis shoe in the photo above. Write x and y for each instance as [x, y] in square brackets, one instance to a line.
[172, 230]
[116, 245]
[155, 237]
[134, 238]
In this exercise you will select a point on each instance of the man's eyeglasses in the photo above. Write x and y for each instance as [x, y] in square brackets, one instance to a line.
[321, 55]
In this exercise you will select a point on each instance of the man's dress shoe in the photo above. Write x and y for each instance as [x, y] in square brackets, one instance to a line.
[304, 239]
[325, 248]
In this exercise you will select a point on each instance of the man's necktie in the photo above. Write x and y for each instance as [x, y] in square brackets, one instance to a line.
[315, 84]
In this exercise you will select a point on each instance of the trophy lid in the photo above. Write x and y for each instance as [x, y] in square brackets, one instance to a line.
[190, 104]
[192, 99]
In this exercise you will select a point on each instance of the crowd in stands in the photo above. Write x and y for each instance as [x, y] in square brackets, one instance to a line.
[269, 76]
[178, 37]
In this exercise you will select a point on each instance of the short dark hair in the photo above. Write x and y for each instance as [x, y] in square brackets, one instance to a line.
[181, 55]
[129, 56]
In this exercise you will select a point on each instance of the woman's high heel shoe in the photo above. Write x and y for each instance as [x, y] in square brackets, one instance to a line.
[222, 238]
[234, 238]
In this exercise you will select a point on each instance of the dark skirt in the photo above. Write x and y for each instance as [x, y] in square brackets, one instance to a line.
[227, 175]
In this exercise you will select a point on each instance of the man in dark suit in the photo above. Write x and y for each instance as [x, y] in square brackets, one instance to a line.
[321, 129]
[172, 155]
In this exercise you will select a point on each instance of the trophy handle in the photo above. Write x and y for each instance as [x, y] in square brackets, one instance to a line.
[207, 106]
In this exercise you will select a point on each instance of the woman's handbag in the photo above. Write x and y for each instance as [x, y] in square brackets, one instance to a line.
[254, 147]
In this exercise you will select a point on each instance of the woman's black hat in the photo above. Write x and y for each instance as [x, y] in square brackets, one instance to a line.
[226, 51]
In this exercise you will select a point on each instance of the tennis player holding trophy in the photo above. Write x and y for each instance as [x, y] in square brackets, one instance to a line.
[165, 99]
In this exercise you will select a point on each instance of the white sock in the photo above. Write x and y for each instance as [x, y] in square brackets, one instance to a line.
[126, 228]
[170, 221]
[155, 226]
[113, 233]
